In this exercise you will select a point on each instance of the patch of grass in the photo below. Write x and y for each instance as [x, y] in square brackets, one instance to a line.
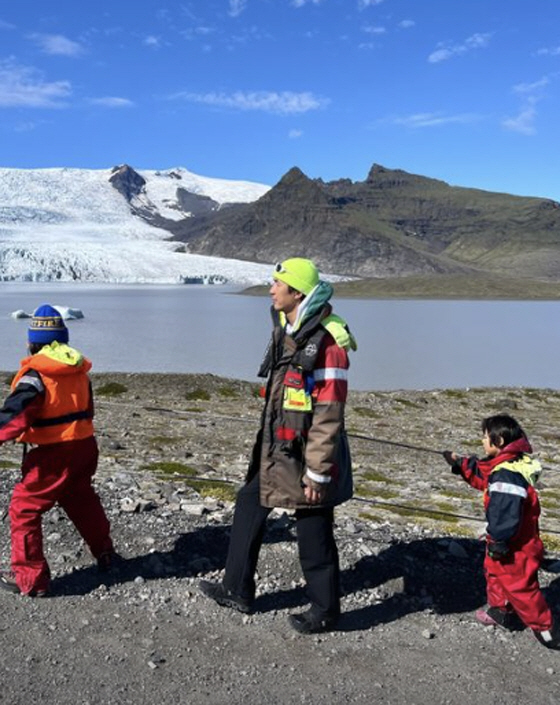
[420, 513]
[111, 389]
[407, 402]
[379, 493]
[549, 503]
[364, 411]
[454, 495]
[454, 393]
[197, 394]
[162, 440]
[446, 507]
[374, 476]
[7, 465]
[217, 490]
[228, 392]
[369, 516]
[551, 543]
[171, 468]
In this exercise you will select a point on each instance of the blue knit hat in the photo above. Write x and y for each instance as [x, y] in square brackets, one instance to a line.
[46, 326]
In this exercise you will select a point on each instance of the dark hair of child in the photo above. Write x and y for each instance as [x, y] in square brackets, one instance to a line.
[502, 430]
[35, 347]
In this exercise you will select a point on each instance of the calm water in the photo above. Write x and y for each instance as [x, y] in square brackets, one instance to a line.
[402, 344]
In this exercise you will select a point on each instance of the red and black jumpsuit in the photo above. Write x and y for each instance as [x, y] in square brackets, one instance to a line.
[512, 510]
[50, 408]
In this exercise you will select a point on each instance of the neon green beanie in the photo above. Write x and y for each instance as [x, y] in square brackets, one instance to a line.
[301, 274]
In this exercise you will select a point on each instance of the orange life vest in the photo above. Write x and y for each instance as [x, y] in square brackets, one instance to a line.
[67, 412]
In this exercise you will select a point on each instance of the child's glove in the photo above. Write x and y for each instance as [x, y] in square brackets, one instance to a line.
[497, 550]
[452, 460]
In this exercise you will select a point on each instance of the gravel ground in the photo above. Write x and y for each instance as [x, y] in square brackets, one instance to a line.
[173, 449]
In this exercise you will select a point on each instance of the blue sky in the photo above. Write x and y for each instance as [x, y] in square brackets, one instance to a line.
[467, 92]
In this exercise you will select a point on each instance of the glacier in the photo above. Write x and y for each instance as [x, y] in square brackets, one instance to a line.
[72, 225]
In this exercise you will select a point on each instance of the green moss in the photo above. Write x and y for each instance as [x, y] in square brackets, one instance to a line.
[217, 490]
[162, 440]
[408, 402]
[364, 411]
[454, 495]
[228, 392]
[548, 502]
[171, 468]
[370, 516]
[378, 492]
[197, 394]
[373, 476]
[111, 389]
[7, 464]
[454, 393]
[551, 543]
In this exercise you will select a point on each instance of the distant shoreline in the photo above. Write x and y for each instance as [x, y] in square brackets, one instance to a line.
[442, 287]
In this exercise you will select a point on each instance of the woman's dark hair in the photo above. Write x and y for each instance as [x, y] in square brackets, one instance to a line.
[502, 430]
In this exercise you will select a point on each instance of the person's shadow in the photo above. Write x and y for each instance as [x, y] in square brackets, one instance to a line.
[441, 574]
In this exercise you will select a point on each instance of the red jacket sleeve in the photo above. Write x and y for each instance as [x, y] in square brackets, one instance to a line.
[476, 472]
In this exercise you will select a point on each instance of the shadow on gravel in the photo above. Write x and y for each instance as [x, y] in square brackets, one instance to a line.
[194, 554]
[406, 577]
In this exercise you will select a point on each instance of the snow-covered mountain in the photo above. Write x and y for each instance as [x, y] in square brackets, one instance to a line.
[97, 225]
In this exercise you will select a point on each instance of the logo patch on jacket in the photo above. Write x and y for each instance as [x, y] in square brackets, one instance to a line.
[310, 350]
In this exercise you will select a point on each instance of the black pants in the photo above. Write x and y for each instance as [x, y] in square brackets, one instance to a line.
[318, 554]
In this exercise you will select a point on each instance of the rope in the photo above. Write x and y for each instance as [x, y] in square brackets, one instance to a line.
[395, 443]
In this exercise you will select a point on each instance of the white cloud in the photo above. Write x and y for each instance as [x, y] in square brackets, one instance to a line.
[236, 7]
[374, 30]
[531, 93]
[301, 3]
[524, 122]
[112, 102]
[434, 119]
[406, 24]
[152, 41]
[531, 88]
[283, 103]
[552, 51]
[24, 86]
[295, 134]
[57, 44]
[6, 25]
[363, 4]
[475, 41]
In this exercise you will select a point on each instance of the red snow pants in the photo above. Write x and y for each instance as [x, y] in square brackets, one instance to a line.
[513, 583]
[55, 473]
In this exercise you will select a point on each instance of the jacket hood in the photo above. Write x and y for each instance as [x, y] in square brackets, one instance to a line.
[521, 445]
[313, 303]
[59, 358]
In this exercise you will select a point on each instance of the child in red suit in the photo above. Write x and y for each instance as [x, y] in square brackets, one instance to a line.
[514, 550]
[50, 409]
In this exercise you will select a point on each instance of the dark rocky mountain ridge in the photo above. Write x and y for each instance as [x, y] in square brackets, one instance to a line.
[392, 224]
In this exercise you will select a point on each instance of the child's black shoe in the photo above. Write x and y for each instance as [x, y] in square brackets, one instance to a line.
[549, 638]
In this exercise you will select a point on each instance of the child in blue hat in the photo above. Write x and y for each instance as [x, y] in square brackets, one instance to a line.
[50, 410]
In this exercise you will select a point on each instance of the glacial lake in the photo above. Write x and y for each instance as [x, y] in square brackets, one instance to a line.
[403, 344]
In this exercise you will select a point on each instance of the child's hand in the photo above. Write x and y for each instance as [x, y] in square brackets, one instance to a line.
[450, 457]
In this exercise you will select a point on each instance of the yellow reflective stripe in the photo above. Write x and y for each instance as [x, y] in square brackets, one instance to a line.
[297, 400]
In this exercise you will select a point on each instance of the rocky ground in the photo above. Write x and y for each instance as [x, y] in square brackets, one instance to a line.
[173, 450]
